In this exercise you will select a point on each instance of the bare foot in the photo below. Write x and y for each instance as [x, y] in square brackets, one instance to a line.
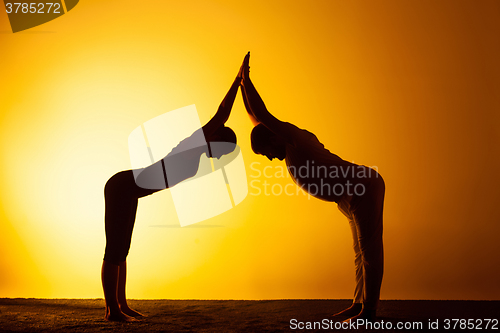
[132, 313]
[118, 316]
[351, 311]
[364, 314]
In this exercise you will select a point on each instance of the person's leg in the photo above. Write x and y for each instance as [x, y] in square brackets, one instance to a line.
[120, 211]
[373, 267]
[368, 216]
[122, 299]
[122, 273]
[359, 269]
[356, 306]
[109, 278]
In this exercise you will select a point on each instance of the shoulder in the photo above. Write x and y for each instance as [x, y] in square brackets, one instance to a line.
[299, 135]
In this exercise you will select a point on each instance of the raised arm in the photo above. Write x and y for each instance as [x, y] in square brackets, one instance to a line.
[222, 115]
[257, 109]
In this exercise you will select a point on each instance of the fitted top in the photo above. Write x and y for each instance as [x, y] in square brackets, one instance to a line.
[315, 169]
[180, 164]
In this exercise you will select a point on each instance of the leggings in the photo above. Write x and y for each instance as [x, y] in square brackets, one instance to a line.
[121, 196]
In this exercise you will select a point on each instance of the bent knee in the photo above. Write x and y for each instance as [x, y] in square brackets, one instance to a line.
[115, 256]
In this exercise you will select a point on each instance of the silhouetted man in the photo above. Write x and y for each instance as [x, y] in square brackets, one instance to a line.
[358, 190]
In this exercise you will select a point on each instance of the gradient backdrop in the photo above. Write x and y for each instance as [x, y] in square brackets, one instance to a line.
[412, 87]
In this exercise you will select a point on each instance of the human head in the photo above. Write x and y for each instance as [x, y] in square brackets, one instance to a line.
[267, 143]
[222, 141]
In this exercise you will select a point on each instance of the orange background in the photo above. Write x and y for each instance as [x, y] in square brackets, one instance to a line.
[412, 87]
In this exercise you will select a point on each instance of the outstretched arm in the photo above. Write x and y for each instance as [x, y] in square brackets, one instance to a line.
[256, 108]
[253, 119]
[222, 115]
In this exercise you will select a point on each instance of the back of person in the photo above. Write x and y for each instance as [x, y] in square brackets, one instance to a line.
[317, 170]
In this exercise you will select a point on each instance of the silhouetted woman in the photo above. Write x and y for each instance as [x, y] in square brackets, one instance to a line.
[358, 190]
[123, 190]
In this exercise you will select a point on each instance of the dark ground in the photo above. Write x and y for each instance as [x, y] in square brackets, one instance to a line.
[87, 315]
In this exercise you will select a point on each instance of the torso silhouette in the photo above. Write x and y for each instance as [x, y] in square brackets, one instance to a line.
[315, 169]
[180, 164]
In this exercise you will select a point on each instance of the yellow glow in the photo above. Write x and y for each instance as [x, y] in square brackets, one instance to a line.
[410, 87]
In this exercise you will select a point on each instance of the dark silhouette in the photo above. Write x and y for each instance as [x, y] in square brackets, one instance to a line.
[123, 190]
[358, 190]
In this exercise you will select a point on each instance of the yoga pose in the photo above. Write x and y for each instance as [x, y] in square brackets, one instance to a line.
[123, 190]
[358, 190]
